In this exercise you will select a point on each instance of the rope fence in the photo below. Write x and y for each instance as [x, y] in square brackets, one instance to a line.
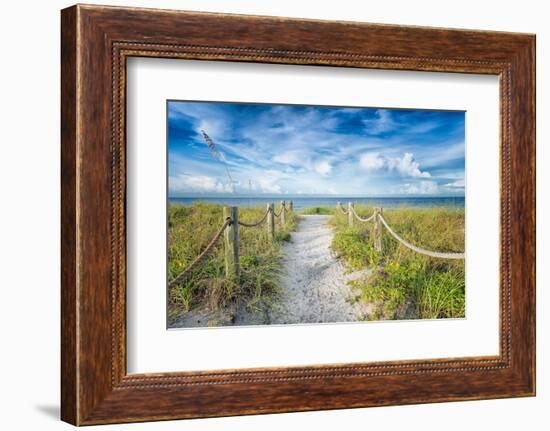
[363, 219]
[230, 231]
[232, 237]
[258, 223]
[341, 208]
[418, 249]
[379, 218]
[187, 271]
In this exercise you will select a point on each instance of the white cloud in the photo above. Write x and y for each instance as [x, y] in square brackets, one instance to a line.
[323, 168]
[332, 190]
[289, 158]
[268, 180]
[268, 186]
[444, 154]
[420, 188]
[406, 166]
[458, 184]
[421, 128]
[382, 123]
[371, 161]
[197, 184]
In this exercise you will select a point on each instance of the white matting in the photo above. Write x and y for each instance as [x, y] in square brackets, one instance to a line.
[153, 348]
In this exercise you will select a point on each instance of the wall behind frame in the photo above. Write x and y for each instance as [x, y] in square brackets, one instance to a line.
[29, 216]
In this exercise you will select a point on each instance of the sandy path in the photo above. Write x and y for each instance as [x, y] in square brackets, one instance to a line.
[315, 285]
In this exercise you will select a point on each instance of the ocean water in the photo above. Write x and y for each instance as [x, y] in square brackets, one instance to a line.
[300, 202]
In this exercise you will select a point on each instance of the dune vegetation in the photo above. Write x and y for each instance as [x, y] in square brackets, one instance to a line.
[317, 211]
[401, 283]
[191, 228]
[395, 283]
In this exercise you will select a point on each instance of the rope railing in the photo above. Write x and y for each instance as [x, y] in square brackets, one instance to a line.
[341, 208]
[418, 249]
[363, 219]
[187, 271]
[378, 218]
[232, 221]
[258, 223]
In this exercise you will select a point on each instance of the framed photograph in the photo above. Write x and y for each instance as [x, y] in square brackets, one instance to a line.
[269, 184]
[265, 215]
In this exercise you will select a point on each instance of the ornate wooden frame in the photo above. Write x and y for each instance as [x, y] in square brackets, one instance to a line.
[96, 41]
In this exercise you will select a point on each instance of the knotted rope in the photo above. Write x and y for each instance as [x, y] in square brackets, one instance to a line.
[259, 222]
[363, 219]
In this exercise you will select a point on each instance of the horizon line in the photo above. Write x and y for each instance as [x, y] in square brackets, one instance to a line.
[305, 196]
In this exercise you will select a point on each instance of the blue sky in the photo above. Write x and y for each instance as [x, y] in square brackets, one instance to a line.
[314, 150]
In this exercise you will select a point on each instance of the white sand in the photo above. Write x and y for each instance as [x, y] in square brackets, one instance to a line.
[315, 285]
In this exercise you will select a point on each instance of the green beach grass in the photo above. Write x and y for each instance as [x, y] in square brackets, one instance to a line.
[404, 284]
[191, 228]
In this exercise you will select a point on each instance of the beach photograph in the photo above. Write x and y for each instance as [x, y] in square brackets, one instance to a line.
[299, 214]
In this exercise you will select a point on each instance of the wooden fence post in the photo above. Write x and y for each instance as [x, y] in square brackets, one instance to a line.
[291, 206]
[350, 214]
[377, 230]
[283, 209]
[271, 221]
[231, 243]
